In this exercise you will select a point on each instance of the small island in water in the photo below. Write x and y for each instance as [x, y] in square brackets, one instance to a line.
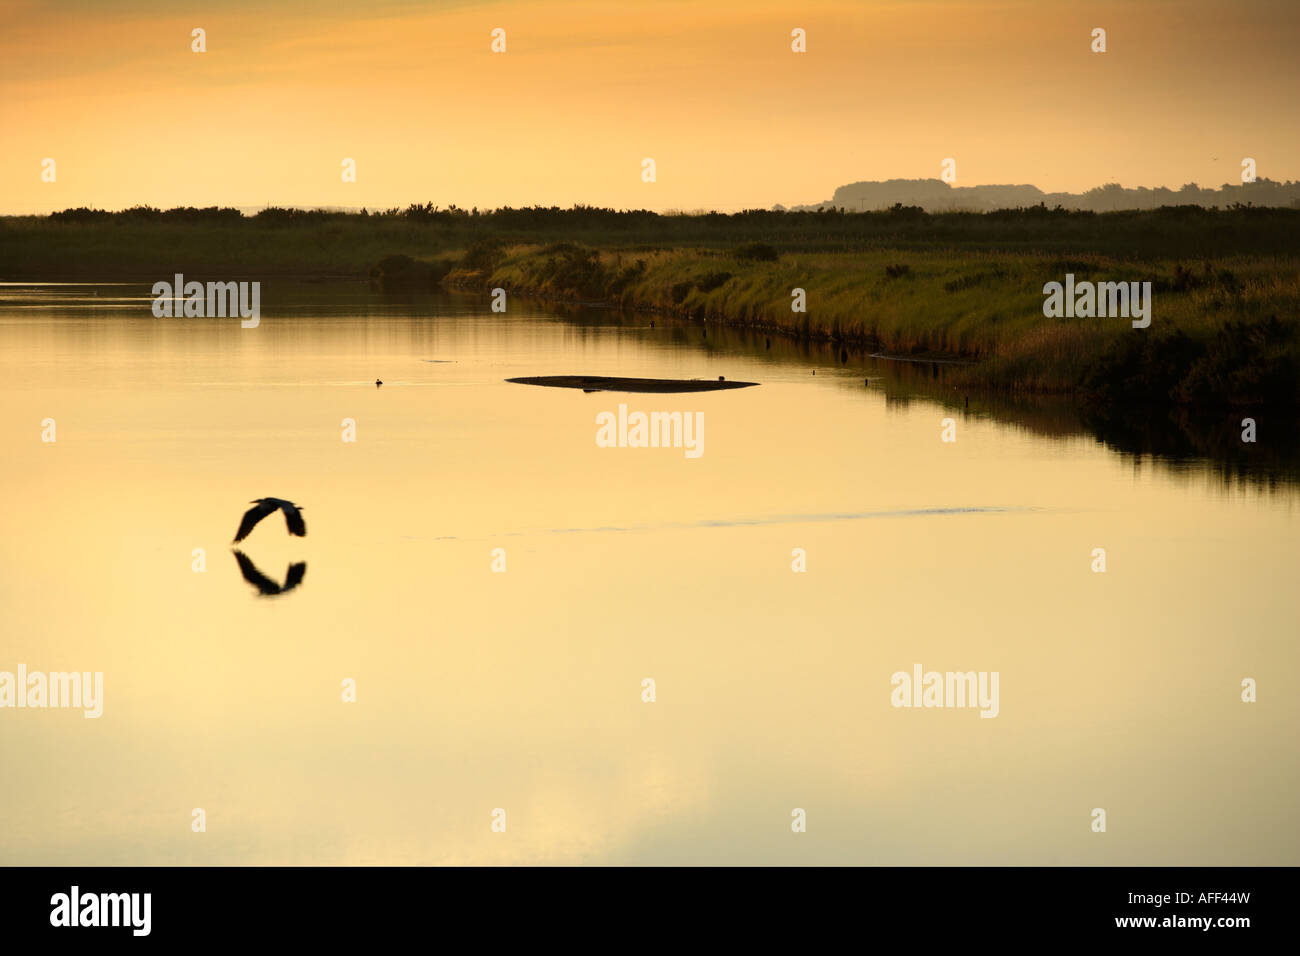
[606, 383]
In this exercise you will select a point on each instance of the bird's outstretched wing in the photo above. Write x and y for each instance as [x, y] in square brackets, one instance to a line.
[251, 517]
[255, 577]
[293, 518]
[294, 577]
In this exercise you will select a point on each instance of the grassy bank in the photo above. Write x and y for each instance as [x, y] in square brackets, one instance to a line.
[1222, 332]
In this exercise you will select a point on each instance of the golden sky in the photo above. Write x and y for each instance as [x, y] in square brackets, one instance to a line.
[585, 90]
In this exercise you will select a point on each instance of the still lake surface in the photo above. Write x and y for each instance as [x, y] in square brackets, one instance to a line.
[523, 690]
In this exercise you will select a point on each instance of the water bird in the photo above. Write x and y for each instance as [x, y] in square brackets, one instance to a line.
[265, 506]
[378, 383]
[293, 577]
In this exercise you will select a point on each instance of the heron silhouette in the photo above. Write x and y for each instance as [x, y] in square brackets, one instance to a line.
[293, 577]
[265, 506]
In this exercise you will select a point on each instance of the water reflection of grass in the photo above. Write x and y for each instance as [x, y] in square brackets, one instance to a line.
[1173, 435]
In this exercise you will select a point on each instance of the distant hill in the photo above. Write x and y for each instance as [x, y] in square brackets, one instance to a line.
[934, 195]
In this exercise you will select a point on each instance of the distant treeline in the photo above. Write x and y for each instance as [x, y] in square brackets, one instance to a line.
[94, 243]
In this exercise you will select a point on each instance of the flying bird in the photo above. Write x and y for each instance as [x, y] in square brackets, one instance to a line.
[265, 506]
[264, 584]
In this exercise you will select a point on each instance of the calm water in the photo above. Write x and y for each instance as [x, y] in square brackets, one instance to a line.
[522, 690]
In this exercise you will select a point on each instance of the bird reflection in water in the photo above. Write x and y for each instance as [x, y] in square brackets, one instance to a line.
[293, 577]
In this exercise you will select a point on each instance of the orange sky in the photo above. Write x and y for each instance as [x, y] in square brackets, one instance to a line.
[711, 91]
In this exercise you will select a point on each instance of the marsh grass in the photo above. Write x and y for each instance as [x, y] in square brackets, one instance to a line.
[1225, 338]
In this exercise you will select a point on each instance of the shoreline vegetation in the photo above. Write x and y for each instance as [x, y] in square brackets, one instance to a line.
[1225, 303]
